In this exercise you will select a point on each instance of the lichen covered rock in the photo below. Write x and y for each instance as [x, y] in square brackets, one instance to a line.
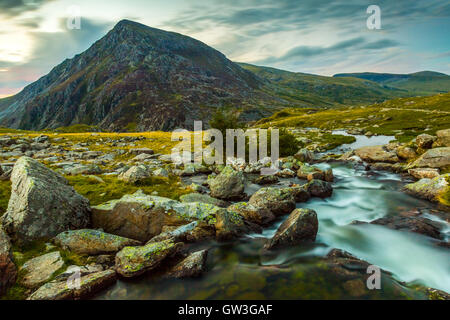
[39, 270]
[429, 189]
[228, 185]
[278, 201]
[433, 158]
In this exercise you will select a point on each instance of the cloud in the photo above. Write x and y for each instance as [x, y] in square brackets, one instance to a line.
[12, 8]
[381, 44]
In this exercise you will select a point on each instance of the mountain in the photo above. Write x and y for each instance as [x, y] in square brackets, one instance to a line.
[138, 78]
[424, 82]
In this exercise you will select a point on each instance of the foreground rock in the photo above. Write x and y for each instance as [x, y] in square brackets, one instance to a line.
[42, 204]
[433, 158]
[67, 290]
[40, 269]
[301, 225]
[141, 217]
[92, 242]
[192, 266]
[278, 201]
[376, 154]
[429, 189]
[228, 185]
[229, 225]
[134, 261]
[8, 271]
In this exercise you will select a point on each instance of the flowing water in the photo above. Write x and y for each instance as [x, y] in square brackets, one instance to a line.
[242, 270]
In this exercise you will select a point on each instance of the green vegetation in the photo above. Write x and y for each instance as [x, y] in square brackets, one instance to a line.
[5, 193]
[113, 188]
[76, 128]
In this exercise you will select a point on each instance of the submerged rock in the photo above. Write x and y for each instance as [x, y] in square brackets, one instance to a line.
[228, 185]
[8, 271]
[92, 242]
[301, 225]
[134, 261]
[429, 189]
[40, 269]
[67, 290]
[192, 266]
[278, 201]
[433, 158]
[42, 204]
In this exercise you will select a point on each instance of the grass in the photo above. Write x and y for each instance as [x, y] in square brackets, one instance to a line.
[5, 193]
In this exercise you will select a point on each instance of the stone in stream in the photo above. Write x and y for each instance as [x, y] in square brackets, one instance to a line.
[195, 231]
[319, 188]
[67, 290]
[260, 216]
[421, 173]
[134, 261]
[266, 179]
[228, 185]
[192, 266]
[304, 155]
[39, 270]
[141, 217]
[42, 204]
[433, 158]
[301, 225]
[276, 200]
[92, 242]
[429, 189]
[229, 225]
[376, 154]
[8, 271]
[412, 224]
[198, 197]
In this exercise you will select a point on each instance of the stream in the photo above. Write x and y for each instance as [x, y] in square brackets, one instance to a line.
[242, 270]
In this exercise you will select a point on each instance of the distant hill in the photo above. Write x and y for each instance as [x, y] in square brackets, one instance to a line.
[424, 82]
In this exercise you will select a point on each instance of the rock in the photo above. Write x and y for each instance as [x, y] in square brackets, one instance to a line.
[8, 271]
[260, 216]
[88, 285]
[425, 141]
[301, 225]
[41, 139]
[435, 294]
[300, 193]
[198, 197]
[286, 173]
[304, 155]
[143, 157]
[421, 173]
[376, 154]
[141, 217]
[429, 189]
[134, 261]
[195, 231]
[229, 225]
[406, 152]
[412, 224]
[228, 185]
[305, 170]
[277, 201]
[135, 174]
[266, 179]
[443, 138]
[192, 266]
[42, 204]
[433, 158]
[319, 188]
[328, 176]
[92, 242]
[78, 270]
[161, 172]
[138, 151]
[39, 270]
[84, 169]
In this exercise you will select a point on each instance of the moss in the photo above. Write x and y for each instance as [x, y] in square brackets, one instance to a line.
[444, 197]
[5, 193]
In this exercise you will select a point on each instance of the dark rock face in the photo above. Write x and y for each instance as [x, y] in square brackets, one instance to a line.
[139, 76]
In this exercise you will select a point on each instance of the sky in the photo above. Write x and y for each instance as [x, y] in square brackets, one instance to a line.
[313, 36]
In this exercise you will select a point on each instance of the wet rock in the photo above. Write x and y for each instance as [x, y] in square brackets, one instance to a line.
[300, 226]
[40, 269]
[429, 189]
[433, 158]
[228, 185]
[64, 290]
[135, 174]
[412, 224]
[421, 173]
[141, 217]
[92, 242]
[277, 201]
[134, 261]
[42, 204]
[8, 271]
[192, 266]
[443, 138]
[425, 141]
[267, 179]
[198, 197]
[260, 216]
[376, 154]
[319, 188]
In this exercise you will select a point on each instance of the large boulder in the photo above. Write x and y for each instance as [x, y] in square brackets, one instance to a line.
[8, 271]
[69, 290]
[228, 185]
[433, 158]
[429, 189]
[134, 261]
[39, 270]
[42, 204]
[443, 138]
[276, 200]
[376, 154]
[92, 242]
[141, 217]
[301, 225]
